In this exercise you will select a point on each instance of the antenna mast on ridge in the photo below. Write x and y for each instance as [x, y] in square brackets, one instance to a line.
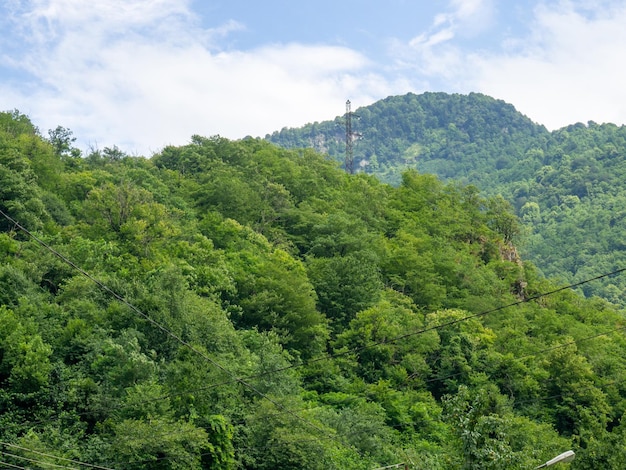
[349, 163]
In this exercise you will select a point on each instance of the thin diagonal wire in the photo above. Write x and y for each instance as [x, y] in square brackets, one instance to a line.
[8, 454]
[54, 456]
[156, 324]
[13, 466]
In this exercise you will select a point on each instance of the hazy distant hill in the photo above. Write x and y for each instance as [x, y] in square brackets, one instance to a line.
[566, 185]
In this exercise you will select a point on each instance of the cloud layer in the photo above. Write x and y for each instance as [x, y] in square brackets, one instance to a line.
[142, 74]
[567, 68]
[571, 68]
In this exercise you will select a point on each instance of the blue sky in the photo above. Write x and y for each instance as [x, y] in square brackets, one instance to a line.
[142, 74]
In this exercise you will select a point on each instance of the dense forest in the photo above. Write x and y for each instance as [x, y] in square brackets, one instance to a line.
[236, 305]
[566, 186]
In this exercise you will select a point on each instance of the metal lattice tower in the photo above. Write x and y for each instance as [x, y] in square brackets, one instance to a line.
[349, 163]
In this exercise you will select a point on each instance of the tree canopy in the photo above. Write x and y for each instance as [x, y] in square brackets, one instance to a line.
[236, 305]
[565, 186]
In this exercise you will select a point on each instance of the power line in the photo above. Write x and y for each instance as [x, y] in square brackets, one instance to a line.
[156, 324]
[99, 467]
[13, 466]
[36, 461]
[569, 343]
[496, 309]
[541, 351]
[588, 386]
[441, 325]
[537, 353]
[388, 341]
[243, 381]
[402, 425]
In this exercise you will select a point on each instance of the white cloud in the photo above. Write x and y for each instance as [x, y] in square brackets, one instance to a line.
[472, 16]
[141, 74]
[435, 53]
[114, 15]
[569, 70]
[465, 18]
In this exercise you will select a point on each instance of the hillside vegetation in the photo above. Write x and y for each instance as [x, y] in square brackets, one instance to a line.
[566, 186]
[235, 305]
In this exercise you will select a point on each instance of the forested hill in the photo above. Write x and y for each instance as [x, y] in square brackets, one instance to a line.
[235, 305]
[567, 186]
[456, 136]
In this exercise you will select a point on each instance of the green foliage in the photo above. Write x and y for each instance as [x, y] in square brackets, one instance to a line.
[157, 444]
[19, 193]
[491, 436]
[454, 136]
[345, 285]
[229, 304]
[563, 185]
[401, 362]
[25, 358]
[61, 140]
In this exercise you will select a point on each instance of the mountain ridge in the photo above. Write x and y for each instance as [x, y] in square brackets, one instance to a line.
[562, 184]
[390, 129]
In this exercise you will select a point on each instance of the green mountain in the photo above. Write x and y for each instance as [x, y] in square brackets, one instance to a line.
[236, 305]
[461, 137]
[566, 186]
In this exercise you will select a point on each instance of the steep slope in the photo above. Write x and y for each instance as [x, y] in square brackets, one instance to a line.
[573, 206]
[256, 308]
[566, 185]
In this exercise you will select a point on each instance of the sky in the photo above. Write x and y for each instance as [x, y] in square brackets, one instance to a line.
[143, 74]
